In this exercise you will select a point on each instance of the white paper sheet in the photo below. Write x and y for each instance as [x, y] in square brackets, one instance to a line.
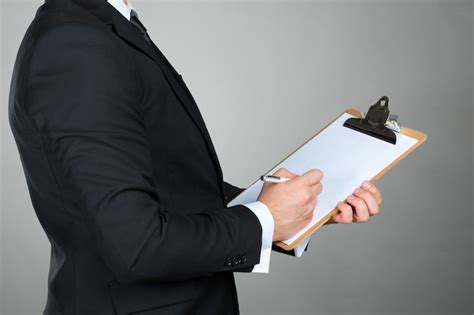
[345, 156]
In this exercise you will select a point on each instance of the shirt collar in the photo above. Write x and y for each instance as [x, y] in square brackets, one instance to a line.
[123, 8]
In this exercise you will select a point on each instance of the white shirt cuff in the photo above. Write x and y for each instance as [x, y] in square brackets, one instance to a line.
[266, 221]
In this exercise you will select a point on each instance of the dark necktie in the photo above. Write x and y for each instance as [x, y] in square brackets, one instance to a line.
[135, 21]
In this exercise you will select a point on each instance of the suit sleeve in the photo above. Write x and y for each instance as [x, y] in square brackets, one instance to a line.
[232, 191]
[266, 222]
[88, 97]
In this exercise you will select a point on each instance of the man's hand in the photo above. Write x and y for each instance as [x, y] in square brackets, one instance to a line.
[291, 203]
[360, 206]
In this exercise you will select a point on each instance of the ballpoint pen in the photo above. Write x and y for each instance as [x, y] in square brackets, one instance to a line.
[273, 179]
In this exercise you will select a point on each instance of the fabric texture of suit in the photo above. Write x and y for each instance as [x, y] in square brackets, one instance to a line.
[122, 172]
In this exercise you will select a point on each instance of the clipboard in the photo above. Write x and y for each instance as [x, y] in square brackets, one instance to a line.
[382, 132]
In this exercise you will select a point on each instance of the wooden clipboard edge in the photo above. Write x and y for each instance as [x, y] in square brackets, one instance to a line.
[418, 135]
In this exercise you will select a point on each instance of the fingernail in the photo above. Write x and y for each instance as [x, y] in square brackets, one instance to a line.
[351, 198]
[367, 184]
[358, 191]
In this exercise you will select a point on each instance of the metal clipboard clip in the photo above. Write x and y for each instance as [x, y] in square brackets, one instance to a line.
[377, 122]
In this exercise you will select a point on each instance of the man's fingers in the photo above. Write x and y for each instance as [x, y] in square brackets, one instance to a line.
[369, 199]
[313, 192]
[345, 215]
[316, 189]
[361, 211]
[367, 185]
[311, 177]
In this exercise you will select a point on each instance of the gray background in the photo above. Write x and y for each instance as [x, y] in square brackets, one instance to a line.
[267, 75]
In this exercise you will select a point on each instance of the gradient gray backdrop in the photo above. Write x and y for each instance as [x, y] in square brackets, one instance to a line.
[268, 74]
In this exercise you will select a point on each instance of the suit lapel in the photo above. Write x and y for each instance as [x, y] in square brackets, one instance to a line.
[130, 34]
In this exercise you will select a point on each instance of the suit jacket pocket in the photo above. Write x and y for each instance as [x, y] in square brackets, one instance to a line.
[150, 297]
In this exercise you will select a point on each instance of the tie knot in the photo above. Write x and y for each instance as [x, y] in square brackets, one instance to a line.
[133, 14]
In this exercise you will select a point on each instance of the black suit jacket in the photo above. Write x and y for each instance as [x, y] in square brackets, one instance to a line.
[122, 172]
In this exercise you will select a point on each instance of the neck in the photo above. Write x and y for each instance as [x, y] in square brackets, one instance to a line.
[125, 1]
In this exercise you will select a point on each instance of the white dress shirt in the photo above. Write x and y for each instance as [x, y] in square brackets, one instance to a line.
[258, 208]
[124, 9]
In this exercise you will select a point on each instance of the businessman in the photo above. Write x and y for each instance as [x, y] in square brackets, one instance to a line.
[125, 180]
